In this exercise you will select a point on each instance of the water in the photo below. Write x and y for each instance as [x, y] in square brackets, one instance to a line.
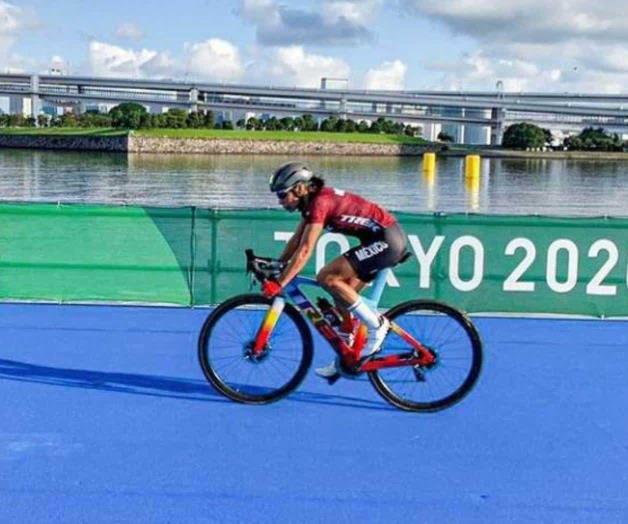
[506, 186]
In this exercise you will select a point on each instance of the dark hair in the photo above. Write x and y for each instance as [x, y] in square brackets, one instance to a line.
[317, 183]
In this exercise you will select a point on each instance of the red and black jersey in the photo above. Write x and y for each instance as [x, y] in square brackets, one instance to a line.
[347, 213]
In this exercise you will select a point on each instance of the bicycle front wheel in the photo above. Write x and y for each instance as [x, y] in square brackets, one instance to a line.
[447, 332]
[226, 341]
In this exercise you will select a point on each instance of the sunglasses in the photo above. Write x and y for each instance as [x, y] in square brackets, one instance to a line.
[283, 194]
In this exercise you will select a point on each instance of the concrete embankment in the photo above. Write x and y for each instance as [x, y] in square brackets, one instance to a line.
[70, 143]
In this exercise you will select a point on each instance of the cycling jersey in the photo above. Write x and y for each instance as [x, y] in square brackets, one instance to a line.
[382, 241]
[347, 213]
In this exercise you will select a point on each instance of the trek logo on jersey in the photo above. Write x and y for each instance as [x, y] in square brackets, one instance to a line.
[360, 221]
[370, 251]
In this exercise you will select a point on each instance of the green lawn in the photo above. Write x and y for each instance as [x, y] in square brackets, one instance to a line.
[63, 131]
[207, 134]
[305, 136]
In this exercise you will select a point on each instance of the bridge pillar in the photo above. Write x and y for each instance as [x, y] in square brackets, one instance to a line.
[35, 101]
[497, 127]
[194, 99]
[81, 107]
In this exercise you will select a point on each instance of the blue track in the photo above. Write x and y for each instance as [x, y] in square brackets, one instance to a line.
[106, 417]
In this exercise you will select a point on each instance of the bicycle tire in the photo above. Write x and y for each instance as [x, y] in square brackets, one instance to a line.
[213, 375]
[382, 386]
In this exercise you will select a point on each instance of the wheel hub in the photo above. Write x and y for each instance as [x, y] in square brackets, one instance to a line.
[251, 356]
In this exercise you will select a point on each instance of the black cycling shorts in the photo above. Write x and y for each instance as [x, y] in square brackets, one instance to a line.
[377, 253]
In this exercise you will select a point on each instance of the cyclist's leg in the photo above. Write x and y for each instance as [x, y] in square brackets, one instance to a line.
[328, 276]
[340, 279]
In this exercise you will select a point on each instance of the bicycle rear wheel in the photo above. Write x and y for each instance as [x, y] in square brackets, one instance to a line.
[224, 351]
[450, 334]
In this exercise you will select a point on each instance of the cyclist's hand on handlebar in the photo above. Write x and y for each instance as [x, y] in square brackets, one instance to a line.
[270, 288]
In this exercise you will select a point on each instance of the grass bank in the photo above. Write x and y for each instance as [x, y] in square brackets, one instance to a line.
[280, 136]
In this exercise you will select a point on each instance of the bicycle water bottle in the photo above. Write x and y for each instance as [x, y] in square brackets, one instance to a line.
[329, 312]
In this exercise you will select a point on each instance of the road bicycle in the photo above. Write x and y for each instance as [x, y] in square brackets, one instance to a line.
[257, 350]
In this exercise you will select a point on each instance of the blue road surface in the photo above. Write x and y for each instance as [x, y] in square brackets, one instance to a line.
[106, 417]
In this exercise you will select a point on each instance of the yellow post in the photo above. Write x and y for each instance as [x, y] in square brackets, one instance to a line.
[472, 165]
[429, 161]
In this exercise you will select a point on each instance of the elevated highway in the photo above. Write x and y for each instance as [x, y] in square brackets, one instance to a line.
[486, 109]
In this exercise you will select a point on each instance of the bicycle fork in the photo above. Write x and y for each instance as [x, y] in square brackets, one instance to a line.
[267, 326]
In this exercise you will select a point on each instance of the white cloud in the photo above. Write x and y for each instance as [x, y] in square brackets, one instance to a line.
[110, 60]
[214, 59]
[292, 66]
[13, 19]
[10, 18]
[129, 31]
[575, 45]
[388, 76]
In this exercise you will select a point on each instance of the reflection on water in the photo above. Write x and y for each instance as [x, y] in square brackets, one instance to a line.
[523, 186]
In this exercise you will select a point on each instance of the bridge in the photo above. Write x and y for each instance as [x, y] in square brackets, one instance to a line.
[482, 113]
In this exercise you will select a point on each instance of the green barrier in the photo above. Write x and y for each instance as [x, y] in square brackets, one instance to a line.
[190, 256]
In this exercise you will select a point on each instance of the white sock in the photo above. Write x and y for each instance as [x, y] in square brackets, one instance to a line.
[361, 310]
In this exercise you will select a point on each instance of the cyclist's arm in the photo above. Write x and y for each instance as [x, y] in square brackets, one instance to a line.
[293, 243]
[302, 254]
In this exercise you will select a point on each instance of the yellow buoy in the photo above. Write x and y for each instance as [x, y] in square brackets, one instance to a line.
[429, 161]
[472, 165]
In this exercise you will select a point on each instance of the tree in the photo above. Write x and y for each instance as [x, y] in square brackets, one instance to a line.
[363, 126]
[594, 139]
[287, 123]
[443, 136]
[254, 123]
[43, 120]
[271, 124]
[329, 124]
[208, 120]
[299, 123]
[194, 119]
[176, 118]
[127, 115]
[350, 126]
[309, 124]
[241, 124]
[523, 136]
[227, 124]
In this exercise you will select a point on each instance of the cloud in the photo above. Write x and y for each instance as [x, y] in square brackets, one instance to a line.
[534, 44]
[339, 22]
[292, 66]
[10, 18]
[388, 76]
[129, 31]
[110, 61]
[528, 20]
[214, 59]
[13, 21]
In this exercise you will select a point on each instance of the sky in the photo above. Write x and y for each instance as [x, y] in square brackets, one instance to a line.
[528, 45]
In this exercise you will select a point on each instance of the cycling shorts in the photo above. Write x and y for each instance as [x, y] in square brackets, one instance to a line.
[377, 253]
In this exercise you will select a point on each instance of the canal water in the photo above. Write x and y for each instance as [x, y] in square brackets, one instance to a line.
[505, 186]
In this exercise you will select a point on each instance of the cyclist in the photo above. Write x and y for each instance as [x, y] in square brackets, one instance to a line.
[382, 245]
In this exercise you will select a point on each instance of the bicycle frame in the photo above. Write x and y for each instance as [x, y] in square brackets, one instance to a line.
[417, 355]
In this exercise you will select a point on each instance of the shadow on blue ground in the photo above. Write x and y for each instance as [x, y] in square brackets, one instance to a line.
[151, 385]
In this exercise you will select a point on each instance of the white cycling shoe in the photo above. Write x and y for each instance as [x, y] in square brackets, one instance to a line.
[373, 345]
